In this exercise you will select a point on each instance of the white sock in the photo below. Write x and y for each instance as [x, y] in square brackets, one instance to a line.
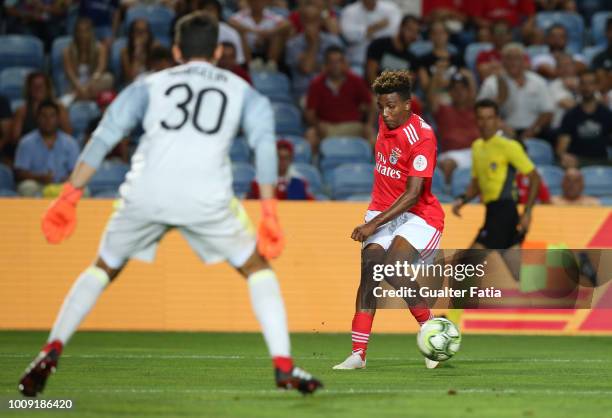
[82, 297]
[269, 308]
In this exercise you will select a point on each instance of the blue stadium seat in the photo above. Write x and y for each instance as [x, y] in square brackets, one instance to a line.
[460, 181]
[12, 81]
[16, 103]
[534, 50]
[8, 193]
[571, 21]
[80, 114]
[312, 175]
[240, 151]
[552, 176]
[340, 150]
[288, 119]
[302, 152]
[598, 27]
[115, 57]
[597, 180]
[274, 85]
[160, 19]
[351, 179]
[591, 52]
[423, 47]
[539, 151]
[437, 183]
[472, 51]
[7, 181]
[21, 51]
[444, 198]
[360, 197]
[606, 200]
[60, 80]
[242, 176]
[108, 178]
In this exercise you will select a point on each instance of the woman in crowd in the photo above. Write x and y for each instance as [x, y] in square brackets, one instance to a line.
[85, 61]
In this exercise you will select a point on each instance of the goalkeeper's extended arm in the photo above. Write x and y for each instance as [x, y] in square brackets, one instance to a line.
[121, 117]
[258, 123]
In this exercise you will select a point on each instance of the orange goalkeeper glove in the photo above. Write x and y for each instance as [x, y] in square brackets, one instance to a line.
[270, 241]
[59, 220]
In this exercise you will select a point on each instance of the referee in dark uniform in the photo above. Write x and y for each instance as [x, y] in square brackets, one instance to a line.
[495, 162]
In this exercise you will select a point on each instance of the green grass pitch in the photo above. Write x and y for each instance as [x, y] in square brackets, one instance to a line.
[229, 375]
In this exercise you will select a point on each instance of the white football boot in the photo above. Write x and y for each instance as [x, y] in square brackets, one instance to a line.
[430, 364]
[352, 362]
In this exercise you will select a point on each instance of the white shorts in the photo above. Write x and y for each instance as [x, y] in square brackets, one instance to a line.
[462, 157]
[422, 236]
[228, 236]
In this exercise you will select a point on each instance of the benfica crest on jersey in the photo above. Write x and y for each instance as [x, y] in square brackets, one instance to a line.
[395, 154]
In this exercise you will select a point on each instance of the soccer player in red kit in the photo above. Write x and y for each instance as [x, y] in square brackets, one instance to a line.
[404, 221]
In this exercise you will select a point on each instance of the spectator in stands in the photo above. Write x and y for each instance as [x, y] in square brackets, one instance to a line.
[564, 88]
[263, 34]
[364, 21]
[329, 20]
[159, 59]
[85, 61]
[392, 52]
[572, 188]
[440, 59]
[229, 61]
[557, 42]
[105, 17]
[305, 52]
[604, 58]
[43, 19]
[489, 62]
[121, 150]
[514, 12]
[339, 102]
[227, 34]
[525, 103]
[456, 123]
[45, 156]
[6, 117]
[451, 12]
[586, 129]
[37, 89]
[135, 54]
[602, 64]
[290, 184]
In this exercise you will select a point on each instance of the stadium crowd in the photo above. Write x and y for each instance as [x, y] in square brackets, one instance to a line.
[547, 63]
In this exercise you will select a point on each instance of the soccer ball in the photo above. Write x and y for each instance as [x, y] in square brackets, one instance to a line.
[439, 339]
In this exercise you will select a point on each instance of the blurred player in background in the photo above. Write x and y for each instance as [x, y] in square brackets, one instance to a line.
[404, 221]
[495, 163]
[180, 178]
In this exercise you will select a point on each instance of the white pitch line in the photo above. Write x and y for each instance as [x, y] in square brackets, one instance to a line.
[238, 357]
[348, 391]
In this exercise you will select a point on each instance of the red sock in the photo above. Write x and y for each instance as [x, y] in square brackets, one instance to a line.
[55, 344]
[422, 315]
[285, 364]
[362, 325]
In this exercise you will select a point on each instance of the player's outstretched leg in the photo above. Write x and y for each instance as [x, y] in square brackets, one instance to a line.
[401, 250]
[269, 308]
[82, 297]
[365, 308]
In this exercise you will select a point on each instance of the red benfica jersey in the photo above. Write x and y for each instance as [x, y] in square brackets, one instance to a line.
[409, 150]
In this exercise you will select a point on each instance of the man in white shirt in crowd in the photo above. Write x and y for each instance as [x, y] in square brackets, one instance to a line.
[366, 20]
[525, 103]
